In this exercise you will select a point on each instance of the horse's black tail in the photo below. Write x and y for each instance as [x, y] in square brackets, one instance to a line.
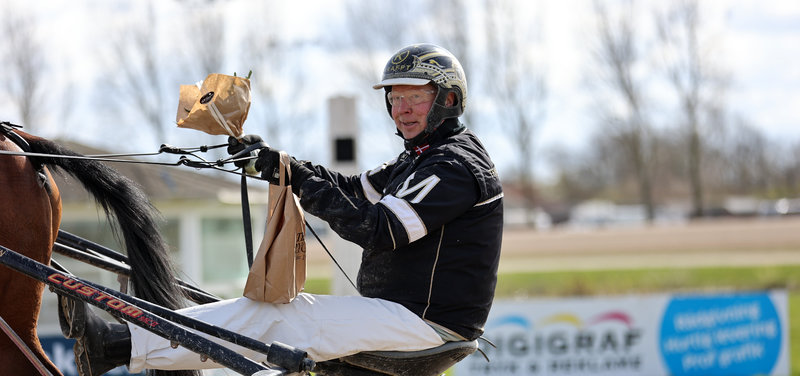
[152, 272]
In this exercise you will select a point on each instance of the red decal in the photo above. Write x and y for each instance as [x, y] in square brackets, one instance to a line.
[71, 284]
[86, 291]
[55, 277]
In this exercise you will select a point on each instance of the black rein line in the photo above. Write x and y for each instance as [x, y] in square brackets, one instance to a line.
[185, 161]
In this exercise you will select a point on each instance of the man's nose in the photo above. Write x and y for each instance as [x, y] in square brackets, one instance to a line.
[402, 106]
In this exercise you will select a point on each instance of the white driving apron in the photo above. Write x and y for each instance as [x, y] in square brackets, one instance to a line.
[325, 326]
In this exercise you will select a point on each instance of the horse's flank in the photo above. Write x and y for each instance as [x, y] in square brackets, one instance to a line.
[29, 223]
[30, 204]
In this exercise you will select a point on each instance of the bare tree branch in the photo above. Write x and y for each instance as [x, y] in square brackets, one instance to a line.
[277, 78]
[616, 55]
[693, 76]
[206, 43]
[517, 83]
[450, 28]
[25, 67]
[135, 78]
[372, 31]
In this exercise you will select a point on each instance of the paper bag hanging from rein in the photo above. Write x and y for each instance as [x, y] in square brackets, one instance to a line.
[219, 106]
[278, 273]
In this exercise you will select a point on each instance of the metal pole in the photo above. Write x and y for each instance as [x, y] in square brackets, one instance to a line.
[343, 136]
[117, 267]
[88, 246]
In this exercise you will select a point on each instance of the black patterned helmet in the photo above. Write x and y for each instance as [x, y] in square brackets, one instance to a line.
[420, 64]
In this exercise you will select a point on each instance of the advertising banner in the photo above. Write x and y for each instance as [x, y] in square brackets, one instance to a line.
[662, 334]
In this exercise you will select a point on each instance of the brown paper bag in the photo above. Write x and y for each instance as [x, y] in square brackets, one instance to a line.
[278, 273]
[218, 107]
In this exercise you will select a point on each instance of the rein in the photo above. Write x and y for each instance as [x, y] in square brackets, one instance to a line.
[165, 149]
[8, 130]
[185, 153]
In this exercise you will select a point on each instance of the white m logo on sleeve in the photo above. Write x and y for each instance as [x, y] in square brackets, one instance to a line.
[424, 187]
[412, 223]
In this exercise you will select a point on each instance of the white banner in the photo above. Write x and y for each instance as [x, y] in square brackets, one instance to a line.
[652, 335]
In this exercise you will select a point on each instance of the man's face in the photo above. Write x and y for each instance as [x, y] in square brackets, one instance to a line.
[410, 106]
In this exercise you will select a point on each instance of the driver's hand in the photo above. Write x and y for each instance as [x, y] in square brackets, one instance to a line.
[235, 146]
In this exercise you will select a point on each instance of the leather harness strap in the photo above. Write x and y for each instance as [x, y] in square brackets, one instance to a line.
[8, 130]
[246, 221]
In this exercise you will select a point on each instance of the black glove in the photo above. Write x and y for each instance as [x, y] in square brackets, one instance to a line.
[300, 173]
[235, 146]
[268, 163]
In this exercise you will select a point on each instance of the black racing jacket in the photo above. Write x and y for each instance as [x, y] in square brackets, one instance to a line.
[430, 225]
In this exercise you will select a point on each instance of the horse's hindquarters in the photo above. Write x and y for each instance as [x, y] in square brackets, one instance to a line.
[29, 223]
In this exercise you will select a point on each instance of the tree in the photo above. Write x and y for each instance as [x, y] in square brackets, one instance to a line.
[516, 83]
[372, 31]
[450, 28]
[206, 44]
[789, 171]
[747, 156]
[278, 82]
[586, 173]
[696, 82]
[134, 78]
[25, 67]
[616, 55]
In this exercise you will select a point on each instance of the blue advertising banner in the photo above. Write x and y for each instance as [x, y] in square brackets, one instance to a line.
[721, 335]
[652, 335]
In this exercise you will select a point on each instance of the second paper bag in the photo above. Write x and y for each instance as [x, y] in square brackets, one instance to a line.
[278, 273]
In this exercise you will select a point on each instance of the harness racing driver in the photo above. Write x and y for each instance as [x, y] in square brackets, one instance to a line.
[429, 222]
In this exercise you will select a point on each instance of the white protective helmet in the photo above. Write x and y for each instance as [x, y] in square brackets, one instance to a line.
[420, 64]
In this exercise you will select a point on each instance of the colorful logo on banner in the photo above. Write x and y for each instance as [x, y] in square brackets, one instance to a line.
[562, 343]
[721, 335]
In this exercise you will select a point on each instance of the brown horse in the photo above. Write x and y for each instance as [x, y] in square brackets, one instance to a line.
[30, 214]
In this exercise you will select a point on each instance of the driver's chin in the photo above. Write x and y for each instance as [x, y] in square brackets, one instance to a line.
[409, 135]
[410, 132]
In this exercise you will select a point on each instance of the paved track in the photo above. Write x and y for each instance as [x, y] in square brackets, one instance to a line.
[731, 242]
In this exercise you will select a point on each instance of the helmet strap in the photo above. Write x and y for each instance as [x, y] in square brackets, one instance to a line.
[439, 111]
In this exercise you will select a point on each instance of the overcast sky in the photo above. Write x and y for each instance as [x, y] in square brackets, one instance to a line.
[757, 42]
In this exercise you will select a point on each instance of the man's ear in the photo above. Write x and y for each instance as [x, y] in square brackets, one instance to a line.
[450, 100]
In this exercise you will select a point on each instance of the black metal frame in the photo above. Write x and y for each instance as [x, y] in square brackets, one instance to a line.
[108, 259]
[283, 359]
